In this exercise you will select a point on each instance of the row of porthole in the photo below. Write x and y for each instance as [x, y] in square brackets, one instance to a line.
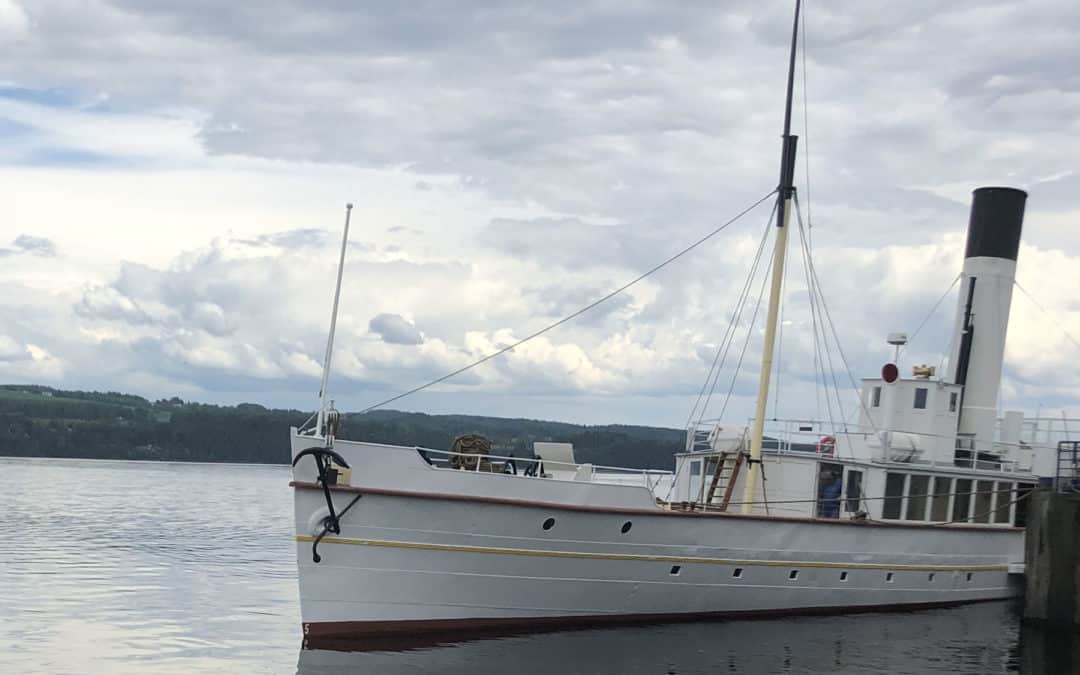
[793, 575]
[737, 573]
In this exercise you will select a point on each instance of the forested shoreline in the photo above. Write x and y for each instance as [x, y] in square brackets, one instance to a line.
[38, 421]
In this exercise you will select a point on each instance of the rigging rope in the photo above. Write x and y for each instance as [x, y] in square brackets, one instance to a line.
[722, 349]
[729, 336]
[749, 332]
[836, 336]
[932, 310]
[819, 363]
[575, 314]
[1064, 331]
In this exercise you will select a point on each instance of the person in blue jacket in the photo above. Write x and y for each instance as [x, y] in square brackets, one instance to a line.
[829, 496]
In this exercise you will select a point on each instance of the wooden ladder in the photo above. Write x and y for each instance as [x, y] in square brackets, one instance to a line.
[725, 475]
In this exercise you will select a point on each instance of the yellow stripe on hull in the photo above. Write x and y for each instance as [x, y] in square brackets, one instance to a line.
[650, 558]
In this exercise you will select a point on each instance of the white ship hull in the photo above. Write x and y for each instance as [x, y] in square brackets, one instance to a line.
[428, 550]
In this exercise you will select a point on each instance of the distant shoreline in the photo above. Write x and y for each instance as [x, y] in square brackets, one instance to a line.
[44, 422]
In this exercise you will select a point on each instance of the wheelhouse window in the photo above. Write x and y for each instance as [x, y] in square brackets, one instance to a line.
[1023, 491]
[984, 497]
[939, 503]
[920, 398]
[918, 487]
[853, 491]
[875, 397]
[894, 496]
[1002, 502]
[962, 500]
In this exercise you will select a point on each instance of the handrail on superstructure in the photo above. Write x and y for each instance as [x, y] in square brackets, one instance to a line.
[1067, 476]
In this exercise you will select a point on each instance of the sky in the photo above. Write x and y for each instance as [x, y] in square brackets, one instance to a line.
[173, 177]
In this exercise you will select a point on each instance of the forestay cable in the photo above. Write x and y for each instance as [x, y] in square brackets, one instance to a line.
[577, 313]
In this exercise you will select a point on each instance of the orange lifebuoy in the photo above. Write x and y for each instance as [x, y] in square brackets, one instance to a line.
[826, 446]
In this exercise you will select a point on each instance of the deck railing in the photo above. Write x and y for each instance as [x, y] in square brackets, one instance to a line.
[583, 471]
[1067, 478]
[808, 436]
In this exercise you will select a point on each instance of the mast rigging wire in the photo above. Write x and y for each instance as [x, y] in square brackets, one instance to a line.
[1064, 331]
[577, 313]
[931, 312]
[725, 344]
[749, 331]
[832, 326]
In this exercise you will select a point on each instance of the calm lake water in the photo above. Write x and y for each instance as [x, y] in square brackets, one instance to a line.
[132, 567]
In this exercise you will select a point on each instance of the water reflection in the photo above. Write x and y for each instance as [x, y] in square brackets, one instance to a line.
[976, 639]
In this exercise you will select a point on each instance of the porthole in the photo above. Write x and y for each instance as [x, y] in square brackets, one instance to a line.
[793, 575]
[626, 526]
[548, 524]
[843, 576]
[888, 577]
[737, 573]
[675, 569]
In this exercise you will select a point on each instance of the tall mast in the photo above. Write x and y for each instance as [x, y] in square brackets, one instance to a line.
[323, 393]
[784, 198]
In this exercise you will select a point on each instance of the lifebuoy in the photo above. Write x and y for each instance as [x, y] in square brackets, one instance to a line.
[826, 446]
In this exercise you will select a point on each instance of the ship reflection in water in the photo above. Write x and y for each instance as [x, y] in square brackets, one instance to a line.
[985, 638]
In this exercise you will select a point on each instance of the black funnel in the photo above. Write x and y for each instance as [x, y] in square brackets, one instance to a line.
[997, 216]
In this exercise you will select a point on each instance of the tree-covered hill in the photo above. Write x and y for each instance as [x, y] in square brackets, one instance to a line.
[38, 421]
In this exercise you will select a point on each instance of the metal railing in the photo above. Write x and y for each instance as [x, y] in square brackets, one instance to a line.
[1067, 478]
[854, 441]
[583, 471]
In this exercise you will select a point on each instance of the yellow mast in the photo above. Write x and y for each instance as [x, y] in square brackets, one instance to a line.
[785, 198]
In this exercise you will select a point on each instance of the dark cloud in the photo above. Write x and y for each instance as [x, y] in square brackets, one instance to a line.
[395, 329]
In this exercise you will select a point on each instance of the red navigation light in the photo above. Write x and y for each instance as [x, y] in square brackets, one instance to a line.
[889, 373]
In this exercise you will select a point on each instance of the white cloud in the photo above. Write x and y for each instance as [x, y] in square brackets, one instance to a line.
[13, 20]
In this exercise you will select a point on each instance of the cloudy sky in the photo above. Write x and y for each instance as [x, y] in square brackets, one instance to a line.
[173, 175]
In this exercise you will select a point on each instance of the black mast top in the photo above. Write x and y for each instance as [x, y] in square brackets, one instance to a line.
[786, 189]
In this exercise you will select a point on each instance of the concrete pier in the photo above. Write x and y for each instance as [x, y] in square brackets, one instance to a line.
[1052, 561]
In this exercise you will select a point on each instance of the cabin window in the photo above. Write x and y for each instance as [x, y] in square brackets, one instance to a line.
[954, 399]
[962, 500]
[920, 398]
[843, 576]
[888, 577]
[695, 468]
[918, 487]
[875, 397]
[939, 503]
[1023, 490]
[854, 491]
[1002, 502]
[984, 497]
[894, 493]
[793, 575]
[737, 573]
[675, 569]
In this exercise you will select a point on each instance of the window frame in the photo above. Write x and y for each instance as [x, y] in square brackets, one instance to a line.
[925, 391]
